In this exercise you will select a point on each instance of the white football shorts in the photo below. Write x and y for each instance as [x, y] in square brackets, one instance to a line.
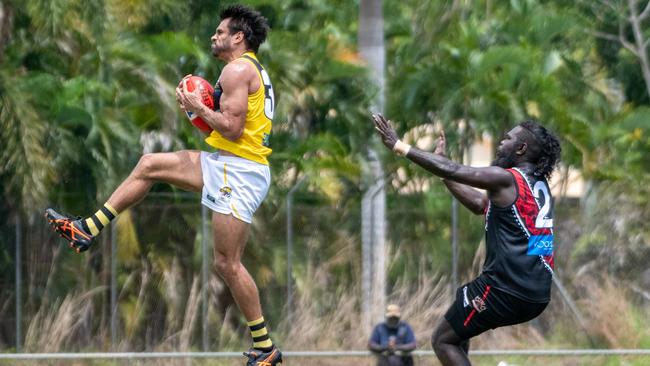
[233, 185]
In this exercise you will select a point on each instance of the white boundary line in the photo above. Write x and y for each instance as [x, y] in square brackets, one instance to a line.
[154, 355]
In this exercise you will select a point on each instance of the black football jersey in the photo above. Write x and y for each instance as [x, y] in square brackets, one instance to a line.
[519, 240]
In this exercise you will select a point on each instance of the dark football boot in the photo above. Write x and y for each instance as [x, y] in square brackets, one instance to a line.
[71, 229]
[259, 358]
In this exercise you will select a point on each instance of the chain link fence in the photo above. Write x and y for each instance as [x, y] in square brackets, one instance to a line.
[149, 285]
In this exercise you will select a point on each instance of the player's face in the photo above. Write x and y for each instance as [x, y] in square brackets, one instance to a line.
[507, 151]
[222, 39]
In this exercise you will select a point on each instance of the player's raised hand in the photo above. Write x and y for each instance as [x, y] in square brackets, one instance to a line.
[180, 98]
[180, 83]
[386, 130]
[441, 144]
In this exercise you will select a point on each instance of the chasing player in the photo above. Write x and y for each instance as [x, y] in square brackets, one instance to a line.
[233, 180]
[515, 284]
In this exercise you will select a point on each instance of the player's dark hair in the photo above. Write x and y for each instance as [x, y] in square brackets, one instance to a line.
[545, 150]
[248, 21]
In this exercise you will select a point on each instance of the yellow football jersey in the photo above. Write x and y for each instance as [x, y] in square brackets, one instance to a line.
[253, 144]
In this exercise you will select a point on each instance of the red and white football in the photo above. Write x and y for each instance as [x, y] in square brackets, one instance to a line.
[206, 91]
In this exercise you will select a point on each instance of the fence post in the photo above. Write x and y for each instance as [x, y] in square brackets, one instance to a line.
[19, 295]
[290, 246]
[204, 276]
[114, 283]
[454, 244]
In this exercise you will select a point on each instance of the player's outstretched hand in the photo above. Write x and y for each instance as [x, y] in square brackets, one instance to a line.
[441, 144]
[386, 130]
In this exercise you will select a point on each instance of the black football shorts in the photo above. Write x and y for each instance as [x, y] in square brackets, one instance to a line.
[479, 307]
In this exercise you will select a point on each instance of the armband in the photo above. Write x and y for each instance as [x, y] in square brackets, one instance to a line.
[401, 148]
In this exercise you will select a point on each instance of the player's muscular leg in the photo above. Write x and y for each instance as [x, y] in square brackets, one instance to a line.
[450, 349]
[180, 168]
[464, 345]
[230, 235]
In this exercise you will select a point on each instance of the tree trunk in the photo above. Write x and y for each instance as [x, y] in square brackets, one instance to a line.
[373, 210]
[640, 42]
[371, 44]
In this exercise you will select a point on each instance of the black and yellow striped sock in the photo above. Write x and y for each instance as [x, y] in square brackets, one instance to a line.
[95, 223]
[261, 339]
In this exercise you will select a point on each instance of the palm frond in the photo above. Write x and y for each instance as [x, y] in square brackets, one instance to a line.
[26, 162]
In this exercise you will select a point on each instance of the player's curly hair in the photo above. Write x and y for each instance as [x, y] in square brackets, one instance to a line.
[248, 21]
[546, 148]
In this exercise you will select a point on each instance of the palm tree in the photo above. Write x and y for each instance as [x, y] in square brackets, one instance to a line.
[76, 87]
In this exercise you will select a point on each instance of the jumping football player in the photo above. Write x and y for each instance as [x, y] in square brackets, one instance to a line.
[233, 180]
[515, 284]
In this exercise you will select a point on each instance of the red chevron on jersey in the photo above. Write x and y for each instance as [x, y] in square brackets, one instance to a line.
[532, 208]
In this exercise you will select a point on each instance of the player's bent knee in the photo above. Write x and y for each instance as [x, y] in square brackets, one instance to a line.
[225, 267]
[146, 165]
[438, 339]
[438, 345]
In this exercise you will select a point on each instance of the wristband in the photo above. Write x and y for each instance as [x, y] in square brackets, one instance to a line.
[401, 148]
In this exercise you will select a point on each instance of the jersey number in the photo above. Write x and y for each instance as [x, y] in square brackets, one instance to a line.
[541, 222]
[269, 97]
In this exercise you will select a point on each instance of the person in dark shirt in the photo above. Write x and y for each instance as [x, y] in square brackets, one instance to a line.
[515, 284]
[392, 340]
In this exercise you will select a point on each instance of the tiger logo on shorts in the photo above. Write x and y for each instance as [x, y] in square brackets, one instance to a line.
[226, 192]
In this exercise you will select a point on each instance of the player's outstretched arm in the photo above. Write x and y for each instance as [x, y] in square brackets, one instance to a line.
[231, 118]
[471, 198]
[490, 178]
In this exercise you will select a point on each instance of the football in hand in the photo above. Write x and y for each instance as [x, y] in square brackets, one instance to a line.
[206, 92]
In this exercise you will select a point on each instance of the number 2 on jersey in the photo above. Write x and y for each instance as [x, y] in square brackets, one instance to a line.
[540, 191]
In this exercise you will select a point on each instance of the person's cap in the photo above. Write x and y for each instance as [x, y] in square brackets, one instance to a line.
[393, 310]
